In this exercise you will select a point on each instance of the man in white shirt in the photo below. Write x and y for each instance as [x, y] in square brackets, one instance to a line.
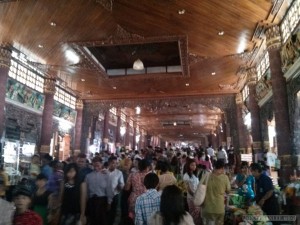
[222, 155]
[211, 152]
[100, 194]
[117, 184]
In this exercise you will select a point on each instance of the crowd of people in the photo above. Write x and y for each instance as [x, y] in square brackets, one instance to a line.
[133, 187]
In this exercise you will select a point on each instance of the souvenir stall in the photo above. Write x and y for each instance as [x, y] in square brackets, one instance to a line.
[291, 194]
[238, 213]
[21, 136]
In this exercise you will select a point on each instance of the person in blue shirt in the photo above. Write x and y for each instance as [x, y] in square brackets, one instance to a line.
[246, 183]
[46, 168]
[265, 196]
[148, 203]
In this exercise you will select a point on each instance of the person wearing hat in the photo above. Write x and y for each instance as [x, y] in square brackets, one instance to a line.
[22, 200]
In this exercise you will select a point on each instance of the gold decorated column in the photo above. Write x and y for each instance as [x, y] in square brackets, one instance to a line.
[78, 126]
[242, 130]
[280, 103]
[47, 118]
[5, 57]
[119, 122]
[255, 112]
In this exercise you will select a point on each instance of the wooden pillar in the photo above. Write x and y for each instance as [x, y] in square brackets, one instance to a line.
[280, 103]
[127, 134]
[134, 136]
[255, 112]
[119, 123]
[47, 118]
[5, 57]
[242, 130]
[78, 126]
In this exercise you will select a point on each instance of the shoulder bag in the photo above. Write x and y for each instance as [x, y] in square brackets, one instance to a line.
[200, 193]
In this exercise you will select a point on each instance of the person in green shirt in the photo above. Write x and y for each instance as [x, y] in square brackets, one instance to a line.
[214, 204]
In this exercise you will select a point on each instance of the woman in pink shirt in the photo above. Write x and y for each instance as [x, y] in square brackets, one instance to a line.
[204, 159]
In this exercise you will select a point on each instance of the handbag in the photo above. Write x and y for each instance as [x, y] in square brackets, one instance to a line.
[200, 193]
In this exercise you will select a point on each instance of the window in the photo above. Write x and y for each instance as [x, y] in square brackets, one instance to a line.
[263, 65]
[123, 117]
[113, 110]
[21, 71]
[290, 20]
[65, 98]
[245, 93]
[131, 123]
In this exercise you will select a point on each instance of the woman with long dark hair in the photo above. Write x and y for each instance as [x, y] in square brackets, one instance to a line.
[73, 197]
[172, 209]
[191, 180]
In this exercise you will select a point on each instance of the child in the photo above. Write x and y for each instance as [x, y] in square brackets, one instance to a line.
[22, 200]
[41, 198]
[6, 208]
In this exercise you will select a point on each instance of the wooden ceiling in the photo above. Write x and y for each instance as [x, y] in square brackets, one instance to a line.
[213, 64]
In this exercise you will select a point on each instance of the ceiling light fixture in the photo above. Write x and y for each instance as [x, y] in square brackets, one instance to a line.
[187, 84]
[175, 124]
[53, 24]
[221, 33]
[181, 11]
[41, 46]
[138, 65]
[137, 110]
[213, 73]
[72, 56]
[115, 87]
[82, 80]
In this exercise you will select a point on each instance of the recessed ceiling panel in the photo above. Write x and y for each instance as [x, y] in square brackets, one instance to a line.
[159, 54]
[156, 56]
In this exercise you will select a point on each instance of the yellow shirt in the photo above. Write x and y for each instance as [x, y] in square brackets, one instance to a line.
[166, 179]
[214, 199]
[6, 183]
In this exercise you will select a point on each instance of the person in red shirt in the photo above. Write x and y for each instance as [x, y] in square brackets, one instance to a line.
[22, 200]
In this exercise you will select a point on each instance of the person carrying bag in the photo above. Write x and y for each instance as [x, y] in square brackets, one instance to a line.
[201, 190]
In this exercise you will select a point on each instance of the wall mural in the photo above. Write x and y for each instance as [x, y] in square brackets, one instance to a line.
[264, 86]
[22, 94]
[290, 51]
[62, 111]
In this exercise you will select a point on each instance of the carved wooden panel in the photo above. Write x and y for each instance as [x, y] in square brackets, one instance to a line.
[27, 122]
[266, 114]
[293, 87]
